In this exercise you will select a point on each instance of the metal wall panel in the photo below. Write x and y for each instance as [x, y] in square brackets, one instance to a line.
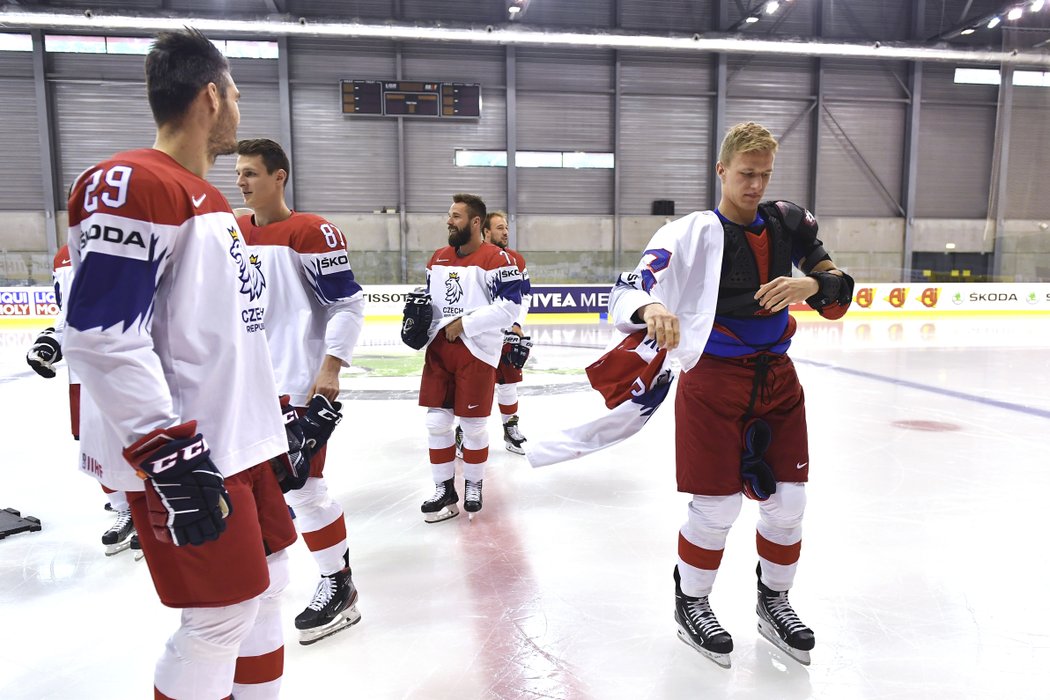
[942, 15]
[871, 135]
[210, 7]
[672, 15]
[955, 161]
[93, 121]
[770, 76]
[327, 61]
[938, 85]
[549, 191]
[845, 79]
[795, 19]
[20, 141]
[565, 70]
[579, 13]
[455, 64]
[16, 64]
[431, 176]
[565, 122]
[791, 168]
[665, 153]
[885, 20]
[463, 11]
[662, 74]
[340, 163]
[1029, 158]
[365, 9]
[96, 66]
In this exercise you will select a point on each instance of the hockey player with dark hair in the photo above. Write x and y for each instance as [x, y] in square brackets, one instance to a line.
[164, 329]
[473, 292]
[517, 346]
[739, 410]
[312, 323]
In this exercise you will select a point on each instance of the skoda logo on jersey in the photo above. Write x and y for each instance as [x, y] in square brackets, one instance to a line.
[453, 289]
[249, 273]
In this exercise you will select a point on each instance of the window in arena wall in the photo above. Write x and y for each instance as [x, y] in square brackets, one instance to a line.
[55, 43]
[534, 159]
[16, 42]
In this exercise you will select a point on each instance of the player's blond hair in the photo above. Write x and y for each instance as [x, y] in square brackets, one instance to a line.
[746, 137]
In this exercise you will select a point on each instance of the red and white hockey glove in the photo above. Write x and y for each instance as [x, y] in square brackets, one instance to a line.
[185, 493]
[293, 468]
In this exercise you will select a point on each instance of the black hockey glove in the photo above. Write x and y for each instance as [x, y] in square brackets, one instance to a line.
[757, 480]
[185, 493]
[518, 352]
[319, 421]
[415, 328]
[45, 352]
[293, 468]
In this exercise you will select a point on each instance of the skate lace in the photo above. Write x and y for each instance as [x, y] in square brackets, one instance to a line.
[122, 522]
[439, 493]
[780, 610]
[324, 593]
[473, 491]
[703, 617]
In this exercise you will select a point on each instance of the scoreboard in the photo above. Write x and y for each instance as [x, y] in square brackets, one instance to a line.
[410, 98]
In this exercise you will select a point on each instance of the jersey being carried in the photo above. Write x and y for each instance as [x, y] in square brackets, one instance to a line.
[316, 307]
[484, 288]
[164, 319]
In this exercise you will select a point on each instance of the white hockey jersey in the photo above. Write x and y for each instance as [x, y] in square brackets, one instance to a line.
[526, 285]
[484, 288]
[317, 307]
[164, 322]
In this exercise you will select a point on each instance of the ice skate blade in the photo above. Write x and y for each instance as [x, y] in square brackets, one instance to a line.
[515, 449]
[347, 618]
[117, 548]
[721, 660]
[771, 636]
[446, 513]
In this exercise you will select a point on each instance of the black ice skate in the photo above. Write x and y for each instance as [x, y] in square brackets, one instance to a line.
[118, 537]
[459, 442]
[333, 609]
[698, 627]
[778, 622]
[513, 437]
[443, 504]
[471, 497]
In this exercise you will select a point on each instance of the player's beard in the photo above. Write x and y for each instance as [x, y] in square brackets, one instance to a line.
[459, 236]
[222, 141]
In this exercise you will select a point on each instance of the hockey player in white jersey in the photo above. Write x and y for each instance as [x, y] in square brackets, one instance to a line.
[164, 329]
[473, 292]
[313, 322]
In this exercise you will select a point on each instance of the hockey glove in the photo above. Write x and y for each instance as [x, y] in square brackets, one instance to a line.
[518, 352]
[185, 494]
[415, 327]
[292, 469]
[757, 480]
[45, 352]
[320, 420]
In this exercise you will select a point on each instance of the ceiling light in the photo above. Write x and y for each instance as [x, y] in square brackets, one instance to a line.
[772, 7]
[994, 22]
[514, 9]
[1037, 5]
[1015, 13]
[752, 19]
[967, 31]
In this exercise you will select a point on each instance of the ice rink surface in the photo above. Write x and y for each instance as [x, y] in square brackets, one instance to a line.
[924, 563]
